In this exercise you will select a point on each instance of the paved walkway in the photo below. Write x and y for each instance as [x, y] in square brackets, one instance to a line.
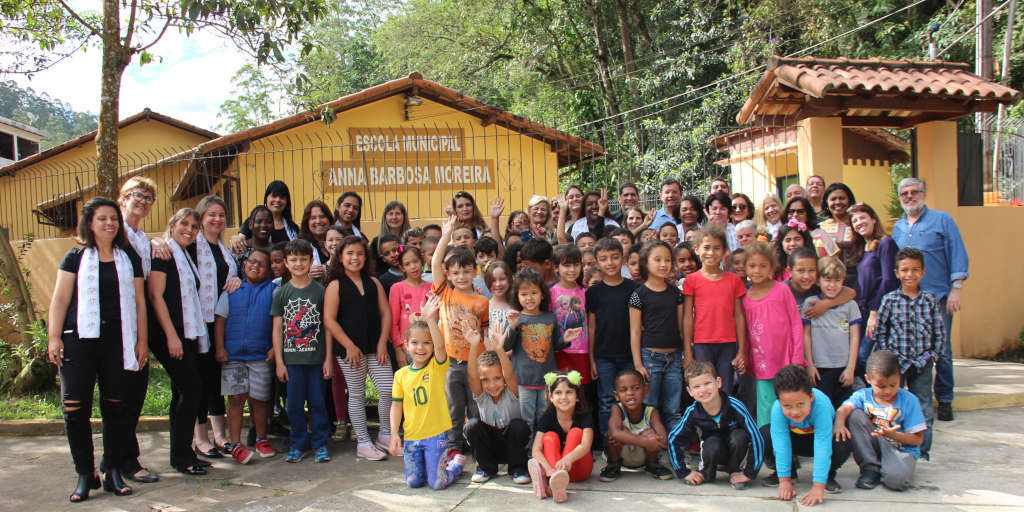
[977, 465]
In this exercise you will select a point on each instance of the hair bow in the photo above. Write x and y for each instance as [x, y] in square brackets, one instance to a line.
[400, 249]
[573, 377]
[800, 226]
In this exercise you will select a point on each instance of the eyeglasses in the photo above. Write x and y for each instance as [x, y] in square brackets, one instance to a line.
[143, 198]
[910, 193]
[796, 210]
[740, 206]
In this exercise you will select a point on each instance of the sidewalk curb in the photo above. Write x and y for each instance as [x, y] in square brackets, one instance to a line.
[978, 402]
[51, 427]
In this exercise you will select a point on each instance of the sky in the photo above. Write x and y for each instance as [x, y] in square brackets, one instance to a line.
[190, 83]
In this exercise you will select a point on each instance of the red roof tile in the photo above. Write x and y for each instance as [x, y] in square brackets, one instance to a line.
[788, 80]
[817, 77]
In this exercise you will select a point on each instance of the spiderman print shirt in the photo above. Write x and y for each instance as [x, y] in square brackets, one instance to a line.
[301, 312]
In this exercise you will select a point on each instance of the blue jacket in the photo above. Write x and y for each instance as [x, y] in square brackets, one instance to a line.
[247, 334]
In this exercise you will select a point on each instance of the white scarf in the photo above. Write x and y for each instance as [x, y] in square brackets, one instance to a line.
[207, 266]
[88, 319]
[140, 242]
[191, 309]
[289, 230]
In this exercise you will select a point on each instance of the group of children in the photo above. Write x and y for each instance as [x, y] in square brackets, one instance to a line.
[500, 358]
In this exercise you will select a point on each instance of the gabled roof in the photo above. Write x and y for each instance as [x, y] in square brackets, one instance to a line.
[570, 149]
[872, 92]
[146, 114]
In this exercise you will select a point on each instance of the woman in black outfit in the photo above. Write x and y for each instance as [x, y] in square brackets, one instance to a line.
[217, 272]
[177, 329]
[97, 335]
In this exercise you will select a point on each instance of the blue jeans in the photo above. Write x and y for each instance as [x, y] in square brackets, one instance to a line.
[665, 390]
[532, 404]
[607, 369]
[424, 460]
[944, 366]
[306, 383]
[919, 382]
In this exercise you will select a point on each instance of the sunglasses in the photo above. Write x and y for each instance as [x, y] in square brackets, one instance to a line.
[796, 210]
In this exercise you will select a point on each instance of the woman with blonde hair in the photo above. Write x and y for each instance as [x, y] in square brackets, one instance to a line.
[770, 215]
[178, 335]
[136, 200]
[217, 273]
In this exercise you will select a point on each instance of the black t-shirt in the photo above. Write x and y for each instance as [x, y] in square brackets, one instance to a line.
[172, 297]
[549, 423]
[802, 296]
[110, 295]
[660, 321]
[610, 304]
[222, 265]
[388, 279]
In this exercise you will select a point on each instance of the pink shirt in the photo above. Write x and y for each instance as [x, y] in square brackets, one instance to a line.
[405, 300]
[714, 303]
[570, 308]
[775, 332]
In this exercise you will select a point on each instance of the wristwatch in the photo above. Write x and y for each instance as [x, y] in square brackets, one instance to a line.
[958, 284]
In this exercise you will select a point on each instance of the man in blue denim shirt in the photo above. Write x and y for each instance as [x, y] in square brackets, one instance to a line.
[671, 196]
[936, 235]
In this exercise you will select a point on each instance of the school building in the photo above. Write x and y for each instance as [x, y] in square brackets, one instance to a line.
[832, 117]
[408, 139]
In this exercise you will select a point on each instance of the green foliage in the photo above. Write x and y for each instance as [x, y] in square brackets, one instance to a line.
[57, 120]
[896, 173]
[48, 404]
[681, 69]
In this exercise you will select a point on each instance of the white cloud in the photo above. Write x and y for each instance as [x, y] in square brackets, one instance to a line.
[189, 81]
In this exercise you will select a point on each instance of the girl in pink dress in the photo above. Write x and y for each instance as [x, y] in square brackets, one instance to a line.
[774, 328]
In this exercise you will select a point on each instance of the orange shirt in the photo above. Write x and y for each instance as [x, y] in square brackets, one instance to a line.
[454, 303]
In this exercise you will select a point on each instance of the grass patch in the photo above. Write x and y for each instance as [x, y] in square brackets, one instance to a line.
[48, 405]
[158, 398]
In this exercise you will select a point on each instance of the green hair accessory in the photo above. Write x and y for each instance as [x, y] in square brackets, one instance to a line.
[573, 377]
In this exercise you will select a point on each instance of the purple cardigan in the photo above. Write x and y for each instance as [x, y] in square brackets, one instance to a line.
[876, 275]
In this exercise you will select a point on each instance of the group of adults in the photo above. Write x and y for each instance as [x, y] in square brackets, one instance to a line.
[121, 294]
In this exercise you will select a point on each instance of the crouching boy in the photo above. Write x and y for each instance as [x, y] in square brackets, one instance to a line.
[886, 425]
[728, 433]
[636, 434]
[242, 333]
[499, 434]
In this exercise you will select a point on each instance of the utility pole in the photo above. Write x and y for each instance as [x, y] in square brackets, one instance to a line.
[983, 68]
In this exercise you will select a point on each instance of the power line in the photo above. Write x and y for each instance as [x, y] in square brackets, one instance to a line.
[751, 70]
[970, 30]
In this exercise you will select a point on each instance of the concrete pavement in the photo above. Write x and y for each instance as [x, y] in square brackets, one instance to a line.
[977, 464]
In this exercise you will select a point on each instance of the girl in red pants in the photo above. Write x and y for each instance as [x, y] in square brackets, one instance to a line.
[565, 433]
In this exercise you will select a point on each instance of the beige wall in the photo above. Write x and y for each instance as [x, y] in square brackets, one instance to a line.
[990, 319]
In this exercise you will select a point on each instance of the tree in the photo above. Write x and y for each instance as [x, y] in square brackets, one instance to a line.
[44, 32]
[57, 120]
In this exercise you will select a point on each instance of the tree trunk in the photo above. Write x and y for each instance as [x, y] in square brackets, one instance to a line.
[114, 62]
[601, 56]
[24, 312]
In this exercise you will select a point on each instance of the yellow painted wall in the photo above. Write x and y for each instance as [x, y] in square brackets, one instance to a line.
[820, 146]
[138, 143]
[990, 319]
[519, 165]
[757, 177]
[869, 181]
